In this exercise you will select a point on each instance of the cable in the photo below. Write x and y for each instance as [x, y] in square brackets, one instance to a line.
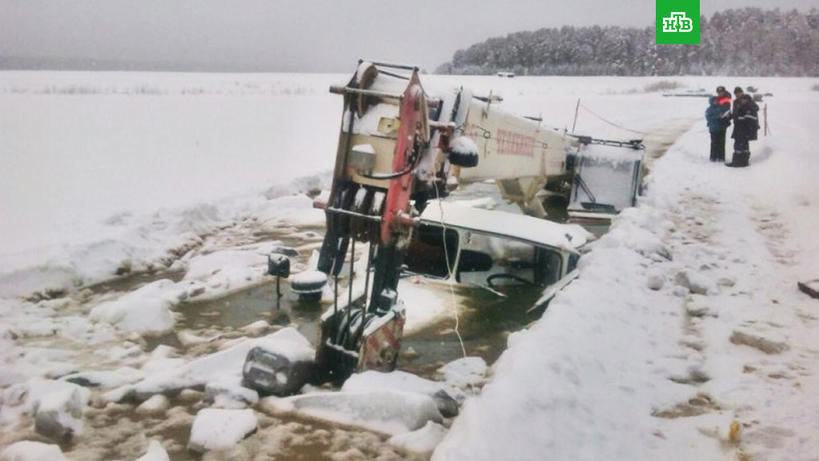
[610, 122]
[449, 271]
[415, 160]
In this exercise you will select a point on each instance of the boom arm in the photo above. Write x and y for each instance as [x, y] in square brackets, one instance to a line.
[399, 146]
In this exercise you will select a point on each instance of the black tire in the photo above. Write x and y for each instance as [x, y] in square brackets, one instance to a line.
[463, 159]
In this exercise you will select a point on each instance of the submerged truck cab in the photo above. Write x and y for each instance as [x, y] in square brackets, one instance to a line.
[460, 244]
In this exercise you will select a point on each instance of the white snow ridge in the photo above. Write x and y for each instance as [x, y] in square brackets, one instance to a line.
[215, 429]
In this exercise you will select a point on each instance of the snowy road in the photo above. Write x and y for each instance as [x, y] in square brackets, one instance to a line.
[685, 336]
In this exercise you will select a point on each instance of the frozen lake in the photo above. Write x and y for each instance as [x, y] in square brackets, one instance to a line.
[193, 178]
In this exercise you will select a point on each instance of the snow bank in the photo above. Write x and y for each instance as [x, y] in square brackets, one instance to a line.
[56, 406]
[445, 396]
[422, 441]
[28, 396]
[32, 451]
[216, 429]
[156, 452]
[385, 411]
[155, 405]
[625, 366]
[559, 388]
[464, 372]
[229, 395]
[58, 414]
[145, 310]
[104, 379]
[397, 380]
[131, 243]
[221, 272]
[224, 366]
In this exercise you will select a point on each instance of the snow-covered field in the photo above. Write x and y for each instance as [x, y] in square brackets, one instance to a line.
[683, 338]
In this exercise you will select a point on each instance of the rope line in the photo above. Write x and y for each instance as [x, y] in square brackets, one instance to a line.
[449, 279]
[605, 120]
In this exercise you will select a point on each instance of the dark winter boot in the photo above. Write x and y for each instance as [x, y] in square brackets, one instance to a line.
[744, 158]
[740, 159]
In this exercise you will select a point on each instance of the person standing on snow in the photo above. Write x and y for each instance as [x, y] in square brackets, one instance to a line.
[723, 97]
[718, 117]
[746, 125]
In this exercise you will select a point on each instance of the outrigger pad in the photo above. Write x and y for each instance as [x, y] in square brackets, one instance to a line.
[335, 363]
[272, 373]
[347, 346]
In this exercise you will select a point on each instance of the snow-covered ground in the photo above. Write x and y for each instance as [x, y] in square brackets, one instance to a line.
[685, 336]
[684, 323]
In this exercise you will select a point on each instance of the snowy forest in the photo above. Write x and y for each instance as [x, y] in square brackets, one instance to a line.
[748, 41]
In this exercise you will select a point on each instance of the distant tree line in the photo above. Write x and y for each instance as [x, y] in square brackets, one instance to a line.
[748, 41]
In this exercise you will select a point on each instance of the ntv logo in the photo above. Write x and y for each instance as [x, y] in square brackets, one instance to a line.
[677, 22]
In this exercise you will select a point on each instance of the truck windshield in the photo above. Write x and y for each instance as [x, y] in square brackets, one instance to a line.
[426, 252]
[511, 262]
[482, 259]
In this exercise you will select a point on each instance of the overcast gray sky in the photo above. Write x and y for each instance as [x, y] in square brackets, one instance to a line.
[291, 35]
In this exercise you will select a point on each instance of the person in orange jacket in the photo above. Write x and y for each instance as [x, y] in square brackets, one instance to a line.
[718, 118]
[723, 97]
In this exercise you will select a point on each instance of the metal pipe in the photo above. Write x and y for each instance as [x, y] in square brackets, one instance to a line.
[365, 309]
[395, 66]
[367, 275]
[278, 293]
[576, 109]
[402, 77]
[352, 213]
[335, 296]
[336, 89]
[441, 125]
[352, 273]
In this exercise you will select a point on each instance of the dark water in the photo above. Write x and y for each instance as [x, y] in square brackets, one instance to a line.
[484, 323]
[250, 305]
[133, 281]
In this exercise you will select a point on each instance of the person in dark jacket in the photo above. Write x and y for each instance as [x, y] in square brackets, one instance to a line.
[746, 125]
[718, 117]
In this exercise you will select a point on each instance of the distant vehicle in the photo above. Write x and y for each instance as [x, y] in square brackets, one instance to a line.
[506, 74]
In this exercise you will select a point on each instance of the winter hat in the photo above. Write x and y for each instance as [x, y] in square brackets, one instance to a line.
[712, 100]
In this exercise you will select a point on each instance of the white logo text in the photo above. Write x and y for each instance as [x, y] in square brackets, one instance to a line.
[677, 22]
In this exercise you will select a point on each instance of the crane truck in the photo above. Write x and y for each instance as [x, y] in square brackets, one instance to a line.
[402, 148]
